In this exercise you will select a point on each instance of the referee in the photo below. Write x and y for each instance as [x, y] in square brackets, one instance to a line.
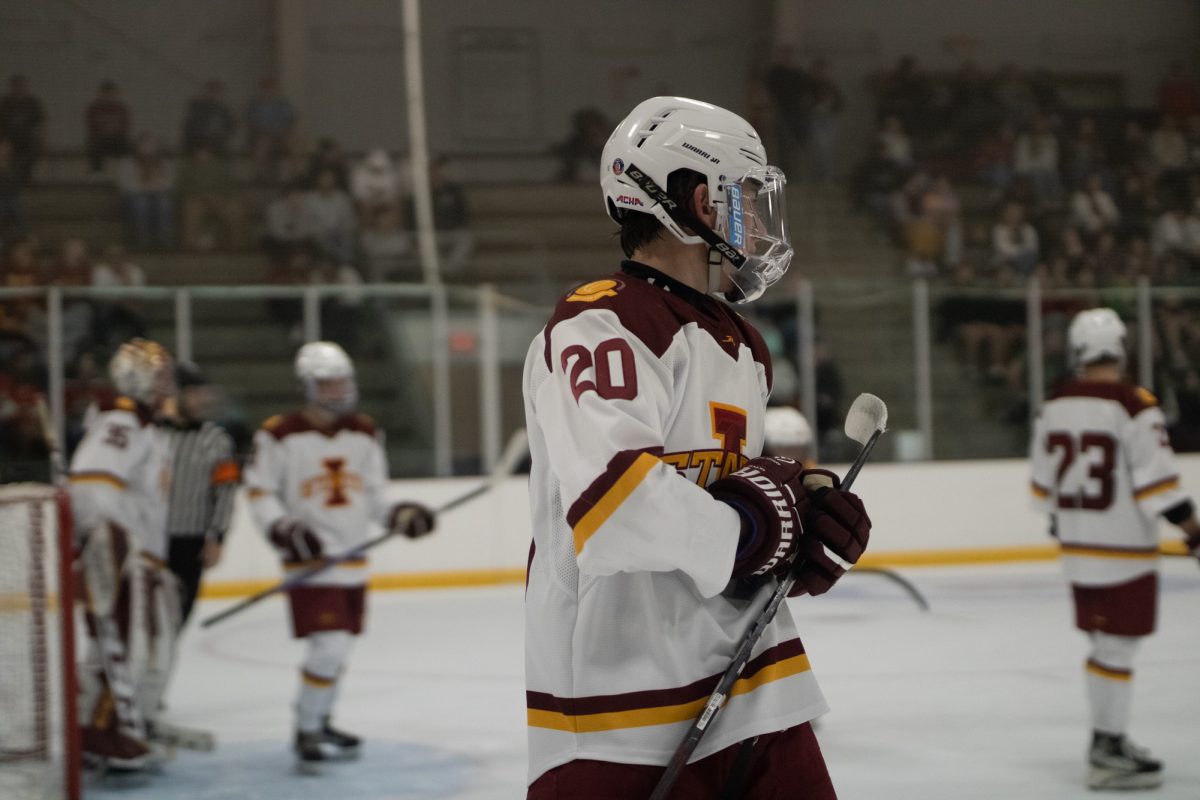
[204, 479]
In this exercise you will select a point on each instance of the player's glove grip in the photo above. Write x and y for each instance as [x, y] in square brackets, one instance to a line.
[412, 520]
[764, 493]
[836, 531]
[294, 540]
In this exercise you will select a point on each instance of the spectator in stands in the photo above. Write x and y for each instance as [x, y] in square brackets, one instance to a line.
[327, 156]
[375, 184]
[1169, 159]
[270, 120]
[1178, 93]
[994, 159]
[1035, 158]
[793, 94]
[1014, 241]
[1108, 263]
[906, 93]
[450, 217]
[118, 320]
[12, 211]
[107, 125]
[1138, 206]
[208, 195]
[386, 246]
[941, 204]
[1015, 94]
[74, 264]
[1132, 153]
[290, 226]
[1093, 209]
[876, 180]
[1085, 154]
[1177, 233]
[894, 141]
[827, 103]
[334, 224]
[583, 146]
[1071, 248]
[210, 121]
[21, 122]
[146, 181]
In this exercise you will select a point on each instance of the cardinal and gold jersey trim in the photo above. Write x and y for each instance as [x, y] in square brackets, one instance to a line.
[611, 500]
[1040, 492]
[659, 707]
[97, 476]
[1158, 487]
[1113, 674]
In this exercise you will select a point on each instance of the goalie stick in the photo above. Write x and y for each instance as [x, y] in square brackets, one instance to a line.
[865, 423]
[514, 453]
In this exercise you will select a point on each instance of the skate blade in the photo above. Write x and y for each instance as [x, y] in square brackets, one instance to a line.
[308, 768]
[343, 754]
[200, 741]
[1103, 779]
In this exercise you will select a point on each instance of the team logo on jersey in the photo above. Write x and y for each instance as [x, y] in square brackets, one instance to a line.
[618, 166]
[591, 292]
[729, 428]
[335, 483]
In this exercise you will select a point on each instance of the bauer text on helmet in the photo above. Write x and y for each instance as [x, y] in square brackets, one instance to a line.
[665, 134]
[327, 375]
[143, 370]
[1096, 335]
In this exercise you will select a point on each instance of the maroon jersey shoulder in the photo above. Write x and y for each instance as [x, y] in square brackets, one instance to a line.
[1134, 399]
[283, 425]
[644, 310]
[144, 415]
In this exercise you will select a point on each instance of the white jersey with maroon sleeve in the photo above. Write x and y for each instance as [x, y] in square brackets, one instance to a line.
[332, 479]
[1103, 466]
[640, 392]
[121, 472]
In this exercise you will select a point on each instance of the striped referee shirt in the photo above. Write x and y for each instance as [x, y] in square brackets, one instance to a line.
[204, 479]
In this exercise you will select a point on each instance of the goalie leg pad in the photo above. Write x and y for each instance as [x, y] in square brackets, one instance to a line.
[103, 560]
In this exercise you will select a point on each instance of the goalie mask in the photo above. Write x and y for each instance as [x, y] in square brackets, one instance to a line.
[143, 370]
[327, 375]
[665, 134]
[1097, 334]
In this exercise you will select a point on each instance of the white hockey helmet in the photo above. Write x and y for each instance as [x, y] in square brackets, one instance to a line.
[143, 370]
[1095, 335]
[327, 375]
[665, 134]
[784, 426]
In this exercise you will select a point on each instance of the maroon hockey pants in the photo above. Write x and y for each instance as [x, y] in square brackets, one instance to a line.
[786, 765]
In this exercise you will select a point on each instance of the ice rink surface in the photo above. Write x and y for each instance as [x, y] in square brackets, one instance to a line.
[980, 698]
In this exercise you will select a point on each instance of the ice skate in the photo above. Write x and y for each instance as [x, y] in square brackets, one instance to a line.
[346, 744]
[309, 754]
[1117, 763]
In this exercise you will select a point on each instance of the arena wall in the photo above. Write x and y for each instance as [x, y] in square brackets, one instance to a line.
[923, 514]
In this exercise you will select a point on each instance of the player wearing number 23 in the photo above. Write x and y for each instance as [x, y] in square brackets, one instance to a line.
[1103, 469]
[644, 400]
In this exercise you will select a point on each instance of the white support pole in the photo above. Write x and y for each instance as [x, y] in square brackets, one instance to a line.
[924, 365]
[419, 142]
[806, 357]
[1033, 346]
[56, 379]
[489, 378]
[183, 325]
[1145, 329]
[443, 434]
[312, 314]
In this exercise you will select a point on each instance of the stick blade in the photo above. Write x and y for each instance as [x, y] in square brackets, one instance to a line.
[867, 414]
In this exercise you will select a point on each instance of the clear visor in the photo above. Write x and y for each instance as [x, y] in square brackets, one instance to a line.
[755, 223]
[335, 395]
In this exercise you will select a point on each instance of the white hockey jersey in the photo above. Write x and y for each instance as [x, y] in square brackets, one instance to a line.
[333, 480]
[121, 472]
[1103, 466]
[639, 392]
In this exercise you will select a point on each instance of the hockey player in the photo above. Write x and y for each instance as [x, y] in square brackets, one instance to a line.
[1104, 471]
[644, 402]
[316, 480]
[786, 433]
[119, 480]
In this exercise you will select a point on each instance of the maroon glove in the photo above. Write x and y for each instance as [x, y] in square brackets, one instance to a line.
[1193, 544]
[294, 540]
[764, 493]
[411, 519]
[836, 531]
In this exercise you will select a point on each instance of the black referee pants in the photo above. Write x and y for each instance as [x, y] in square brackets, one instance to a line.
[183, 559]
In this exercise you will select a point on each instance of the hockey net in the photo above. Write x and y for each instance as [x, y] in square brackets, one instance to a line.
[39, 752]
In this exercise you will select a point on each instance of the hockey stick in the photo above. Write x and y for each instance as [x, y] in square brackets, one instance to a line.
[899, 580]
[865, 423]
[514, 453]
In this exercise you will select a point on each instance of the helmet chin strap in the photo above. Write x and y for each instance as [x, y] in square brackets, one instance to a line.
[714, 270]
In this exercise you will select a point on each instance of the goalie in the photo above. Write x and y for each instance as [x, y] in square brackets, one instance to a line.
[316, 480]
[119, 479]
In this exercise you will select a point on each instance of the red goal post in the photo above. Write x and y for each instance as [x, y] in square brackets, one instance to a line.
[39, 733]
